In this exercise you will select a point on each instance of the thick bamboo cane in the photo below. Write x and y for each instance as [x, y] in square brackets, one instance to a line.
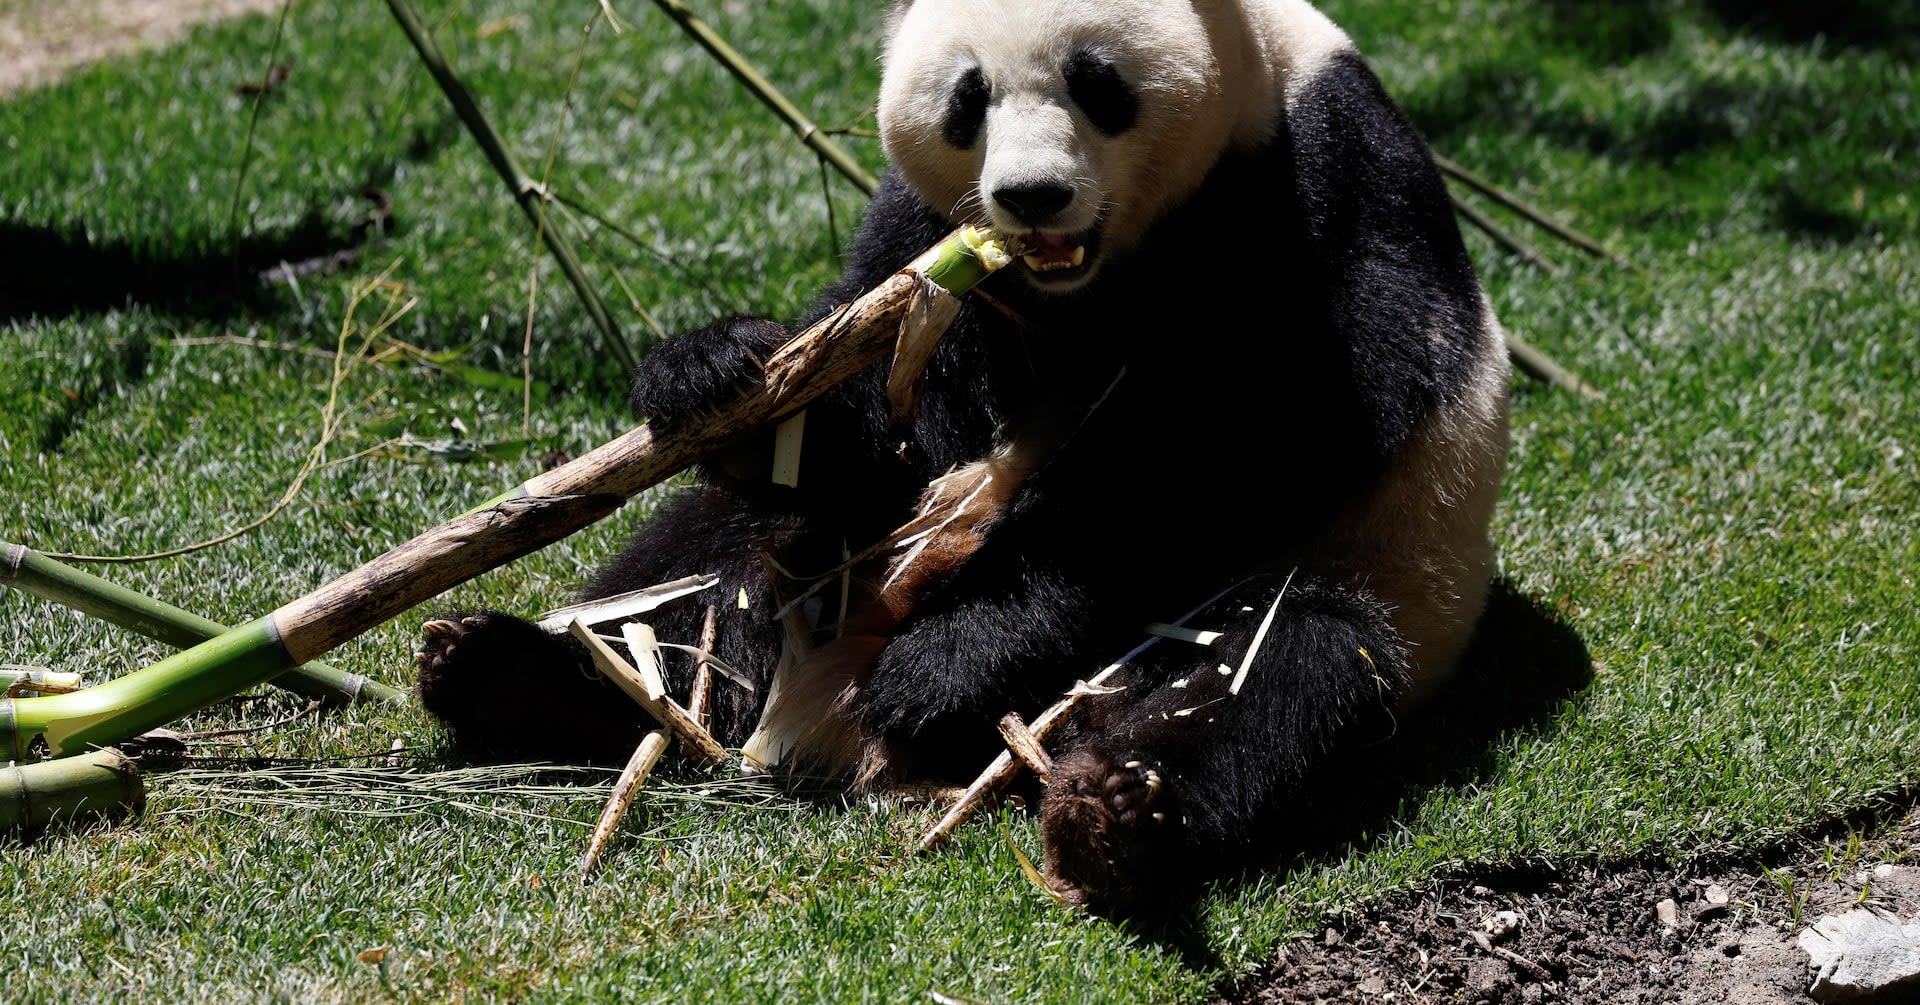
[102, 785]
[522, 520]
[28, 571]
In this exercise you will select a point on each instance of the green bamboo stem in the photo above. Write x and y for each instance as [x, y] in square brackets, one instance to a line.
[534, 514]
[526, 191]
[29, 571]
[102, 785]
[769, 95]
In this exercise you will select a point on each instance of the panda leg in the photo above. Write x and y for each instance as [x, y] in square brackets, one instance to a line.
[506, 691]
[1164, 779]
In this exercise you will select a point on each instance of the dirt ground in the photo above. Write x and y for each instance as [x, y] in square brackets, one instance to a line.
[1728, 937]
[40, 40]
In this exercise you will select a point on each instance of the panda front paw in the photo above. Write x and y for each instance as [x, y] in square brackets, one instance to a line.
[696, 372]
[506, 691]
[1108, 824]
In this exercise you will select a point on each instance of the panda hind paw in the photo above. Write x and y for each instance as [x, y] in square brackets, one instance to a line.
[1108, 825]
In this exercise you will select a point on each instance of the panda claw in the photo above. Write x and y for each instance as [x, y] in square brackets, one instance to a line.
[441, 628]
[1104, 823]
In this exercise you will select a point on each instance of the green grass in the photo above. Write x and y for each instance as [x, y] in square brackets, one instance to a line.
[1729, 535]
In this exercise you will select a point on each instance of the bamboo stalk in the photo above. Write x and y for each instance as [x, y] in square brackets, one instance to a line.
[29, 571]
[526, 191]
[639, 766]
[530, 516]
[769, 95]
[102, 785]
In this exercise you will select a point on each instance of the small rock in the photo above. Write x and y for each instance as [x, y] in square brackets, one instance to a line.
[1375, 985]
[1332, 938]
[1501, 924]
[1865, 955]
[1668, 912]
[1714, 900]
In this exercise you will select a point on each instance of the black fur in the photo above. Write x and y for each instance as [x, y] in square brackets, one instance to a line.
[1257, 364]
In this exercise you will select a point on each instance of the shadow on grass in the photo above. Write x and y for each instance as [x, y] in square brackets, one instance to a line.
[1523, 665]
[1892, 26]
[60, 271]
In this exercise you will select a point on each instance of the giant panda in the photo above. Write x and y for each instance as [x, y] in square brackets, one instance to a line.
[1243, 381]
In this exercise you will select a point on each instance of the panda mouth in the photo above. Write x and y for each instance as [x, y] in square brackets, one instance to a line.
[1059, 258]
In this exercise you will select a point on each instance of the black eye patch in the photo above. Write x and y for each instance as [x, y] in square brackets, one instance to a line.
[1095, 85]
[966, 109]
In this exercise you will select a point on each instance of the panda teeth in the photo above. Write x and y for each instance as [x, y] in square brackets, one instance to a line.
[1073, 261]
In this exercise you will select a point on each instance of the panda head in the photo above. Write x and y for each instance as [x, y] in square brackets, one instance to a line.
[1073, 124]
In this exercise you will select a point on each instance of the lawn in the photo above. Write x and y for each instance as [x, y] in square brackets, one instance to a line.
[1705, 643]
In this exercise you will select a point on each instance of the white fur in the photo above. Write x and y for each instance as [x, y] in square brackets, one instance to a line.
[1419, 542]
[1210, 75]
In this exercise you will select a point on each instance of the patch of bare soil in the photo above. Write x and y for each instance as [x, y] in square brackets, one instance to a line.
[1628, 936]
[41, 40]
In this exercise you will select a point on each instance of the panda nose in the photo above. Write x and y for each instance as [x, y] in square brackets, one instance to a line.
[1033, 204]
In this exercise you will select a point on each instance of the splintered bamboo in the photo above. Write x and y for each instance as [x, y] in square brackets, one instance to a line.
[530, 516]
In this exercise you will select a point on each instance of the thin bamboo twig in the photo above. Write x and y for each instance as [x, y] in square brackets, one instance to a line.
[701, 690]
[28, 571]
[530, 516]
[769, 95]
[528, 193]
[1503, 237]
[1532, 214]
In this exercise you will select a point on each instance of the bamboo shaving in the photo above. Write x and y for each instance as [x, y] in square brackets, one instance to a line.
[786, 449]
[1182, 634]
[624, 605]
[644, 650]
[713, 662]
[1259, 637]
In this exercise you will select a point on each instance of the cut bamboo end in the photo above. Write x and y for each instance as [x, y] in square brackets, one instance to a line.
[101, 785]
[664, 709]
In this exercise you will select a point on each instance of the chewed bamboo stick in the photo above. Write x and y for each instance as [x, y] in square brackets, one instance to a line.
[699, 694]
[639, 766]
[1006, 767]
[1025, 746]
